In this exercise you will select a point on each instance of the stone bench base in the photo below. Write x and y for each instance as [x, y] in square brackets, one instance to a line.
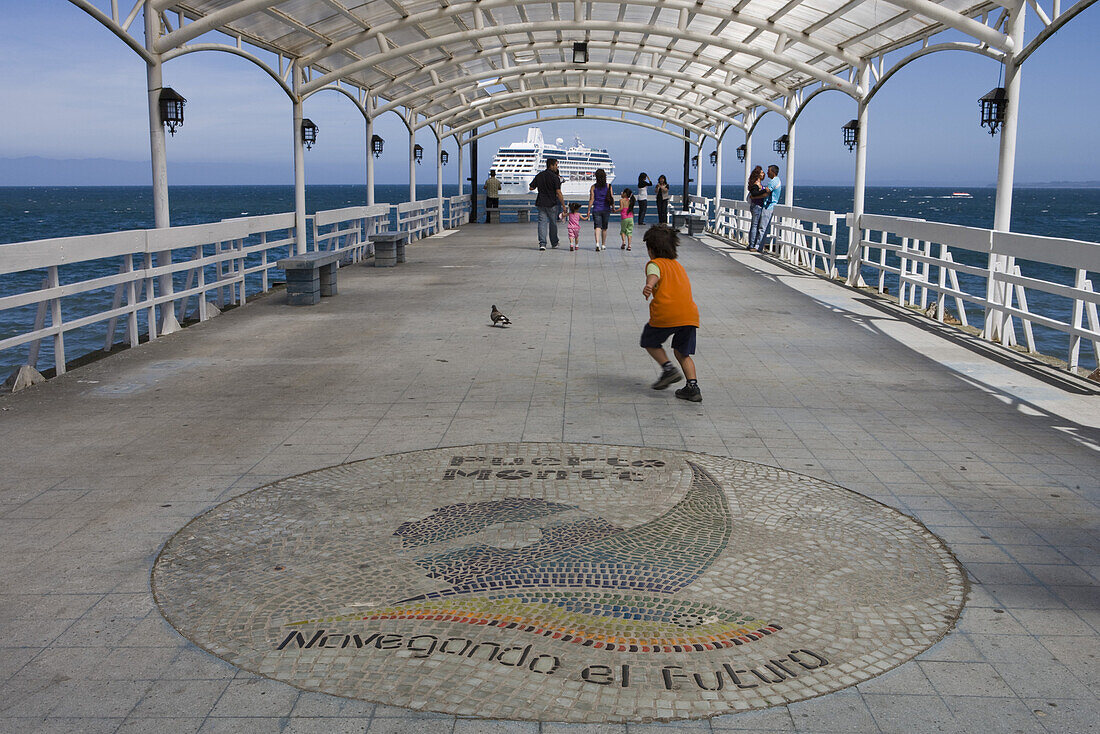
[389, 248]
[309, 277]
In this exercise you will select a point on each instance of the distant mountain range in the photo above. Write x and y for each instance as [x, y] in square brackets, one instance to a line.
[39, 171]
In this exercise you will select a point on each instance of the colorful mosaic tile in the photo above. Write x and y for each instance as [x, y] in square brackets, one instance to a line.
[563, 582]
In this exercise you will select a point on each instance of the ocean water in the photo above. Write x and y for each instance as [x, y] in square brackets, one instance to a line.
[30, 213]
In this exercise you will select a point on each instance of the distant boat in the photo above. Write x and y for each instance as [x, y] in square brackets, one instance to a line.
[960, 194]
[516, 164]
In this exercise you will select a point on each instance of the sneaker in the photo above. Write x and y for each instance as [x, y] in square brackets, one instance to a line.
[555, 245]
[542, 247]
[668, 377]
[690, 393]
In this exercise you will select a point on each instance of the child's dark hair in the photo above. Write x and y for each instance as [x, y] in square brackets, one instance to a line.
[574, 207]
[661, 241]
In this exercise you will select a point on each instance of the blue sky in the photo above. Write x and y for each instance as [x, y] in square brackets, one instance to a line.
[71, 90]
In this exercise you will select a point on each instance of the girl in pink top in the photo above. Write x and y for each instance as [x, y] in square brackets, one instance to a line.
[574, 226]
[626, 212]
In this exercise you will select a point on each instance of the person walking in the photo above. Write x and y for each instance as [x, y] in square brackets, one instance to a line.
[758, 234]
[662, 199]
[549, 202]
[672, 312]
[573, 226]
[626, 213]
[643, 196]
[492, 194]
[757, 196]
[600, 197]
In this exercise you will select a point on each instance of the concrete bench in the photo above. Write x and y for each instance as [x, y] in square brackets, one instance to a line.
[310, 276]
[492, 215]
[678, 219]
[524, 215]
[695, 225]
[389, 248]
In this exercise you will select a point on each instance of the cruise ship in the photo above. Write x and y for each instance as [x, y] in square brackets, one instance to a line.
[517, 164]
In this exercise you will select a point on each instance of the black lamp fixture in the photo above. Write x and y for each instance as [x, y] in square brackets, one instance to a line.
[714, 157]
[580, 112]
[171, 109]
[742, 151]
[418, 153]
[695, 161]
[851, 133]
[580, 52]
[780, 145]
[443, 157]
[309, 133]
[993, 109]
[376, 144]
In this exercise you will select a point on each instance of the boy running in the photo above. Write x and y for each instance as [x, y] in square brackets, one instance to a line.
[672, 312]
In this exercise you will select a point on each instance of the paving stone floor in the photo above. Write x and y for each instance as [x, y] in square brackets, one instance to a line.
[99, 468]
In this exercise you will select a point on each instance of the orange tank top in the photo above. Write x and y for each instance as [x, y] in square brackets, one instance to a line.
[672, 304]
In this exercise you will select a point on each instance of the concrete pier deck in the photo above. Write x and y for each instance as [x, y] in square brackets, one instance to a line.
[995, 454]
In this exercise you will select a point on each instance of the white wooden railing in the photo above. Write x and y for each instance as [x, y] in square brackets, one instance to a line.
[699, 206]
[939, 263]
[140, 277]
[347, 230]
[418, 218]
[803, 237]
[458, 211]
[731, 221]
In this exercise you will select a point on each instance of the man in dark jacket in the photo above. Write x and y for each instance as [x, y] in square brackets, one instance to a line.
[549, 202]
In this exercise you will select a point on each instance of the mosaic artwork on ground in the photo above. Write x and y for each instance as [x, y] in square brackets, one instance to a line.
[567, 582]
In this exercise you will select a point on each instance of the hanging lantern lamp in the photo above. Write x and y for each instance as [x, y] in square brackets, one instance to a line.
[580, 52]
[418, 153]
[443, 157]
[714, 157]
[780, 145]
[851, 133]
[993, 109]
[171, 109]
[376, 144]
[741, 151]
[309, 133]
[695, 161]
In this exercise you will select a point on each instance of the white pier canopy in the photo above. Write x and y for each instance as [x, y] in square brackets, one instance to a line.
[693, 69]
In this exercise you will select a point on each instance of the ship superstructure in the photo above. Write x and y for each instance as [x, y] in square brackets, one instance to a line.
[517, 164]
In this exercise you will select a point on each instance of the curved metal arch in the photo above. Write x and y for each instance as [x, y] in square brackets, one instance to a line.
[511, 113]
[1055, 25]
[498, 99]
[184, 50]
[537, 69]
[341, 90]
[751, 128]
[611, 26]
[107, 22]
[952, 46]
[475, 6]
[806, 101]
[558, 44]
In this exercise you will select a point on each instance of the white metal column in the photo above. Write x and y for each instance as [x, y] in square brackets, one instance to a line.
[439, 179]
[718, 182]
[412, 160]
[299, 168]
[370, 162]
[1006, 164]
[748, 163]
[699, 170]
[855, 233]
[158, 155]
[461, 172]
[788, 175]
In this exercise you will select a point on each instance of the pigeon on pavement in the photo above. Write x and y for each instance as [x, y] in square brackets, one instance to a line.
[498, 318]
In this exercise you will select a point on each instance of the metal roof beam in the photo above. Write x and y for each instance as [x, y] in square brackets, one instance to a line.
[958, 21]
[682, 5]
[729, 44]
[676, 122]
[208, 23]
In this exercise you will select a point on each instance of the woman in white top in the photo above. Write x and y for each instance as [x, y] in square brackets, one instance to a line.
[643, 196]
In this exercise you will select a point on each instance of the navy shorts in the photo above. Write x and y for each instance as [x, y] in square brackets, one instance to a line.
[600, 219]
[683, 338]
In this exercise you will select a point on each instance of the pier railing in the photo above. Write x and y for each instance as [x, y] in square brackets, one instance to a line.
[699, 206]
[802, 237]
[458, 211]
[141, 282]
[940, 266]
